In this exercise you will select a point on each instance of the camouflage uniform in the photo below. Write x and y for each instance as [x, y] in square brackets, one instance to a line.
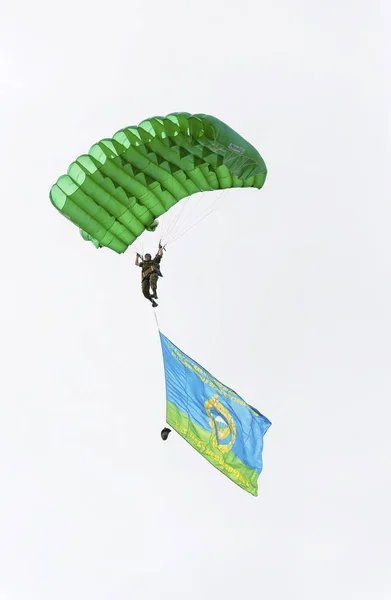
[149, 275]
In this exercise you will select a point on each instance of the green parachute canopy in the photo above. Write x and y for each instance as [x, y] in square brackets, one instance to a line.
[118, 190]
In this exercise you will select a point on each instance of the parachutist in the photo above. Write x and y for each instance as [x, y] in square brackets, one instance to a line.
[165, 433]
[150, 272]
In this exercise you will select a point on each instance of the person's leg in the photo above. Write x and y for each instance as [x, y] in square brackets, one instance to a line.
[153, 282]
[145, 287]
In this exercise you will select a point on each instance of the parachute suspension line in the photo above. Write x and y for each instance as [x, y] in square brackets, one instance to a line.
[181, 209]
[170, 224]
[165, 224]
[195, 205]
[202, 217]
[168, 221]
[191, 227]
[139, 246]
[173, 234]
[172, 227]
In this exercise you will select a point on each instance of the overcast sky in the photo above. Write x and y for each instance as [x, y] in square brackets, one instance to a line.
[283, 294]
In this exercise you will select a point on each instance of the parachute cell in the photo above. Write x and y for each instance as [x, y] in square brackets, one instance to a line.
[120, 188]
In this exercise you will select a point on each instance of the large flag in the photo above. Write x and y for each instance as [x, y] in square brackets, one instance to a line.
[217, 422]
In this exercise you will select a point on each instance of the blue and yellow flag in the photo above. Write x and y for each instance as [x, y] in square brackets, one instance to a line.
[217, 422]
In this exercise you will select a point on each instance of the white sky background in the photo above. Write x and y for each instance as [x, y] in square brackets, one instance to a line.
[283, 294]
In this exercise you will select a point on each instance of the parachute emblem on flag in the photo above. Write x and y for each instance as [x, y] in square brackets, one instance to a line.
[222, 424]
